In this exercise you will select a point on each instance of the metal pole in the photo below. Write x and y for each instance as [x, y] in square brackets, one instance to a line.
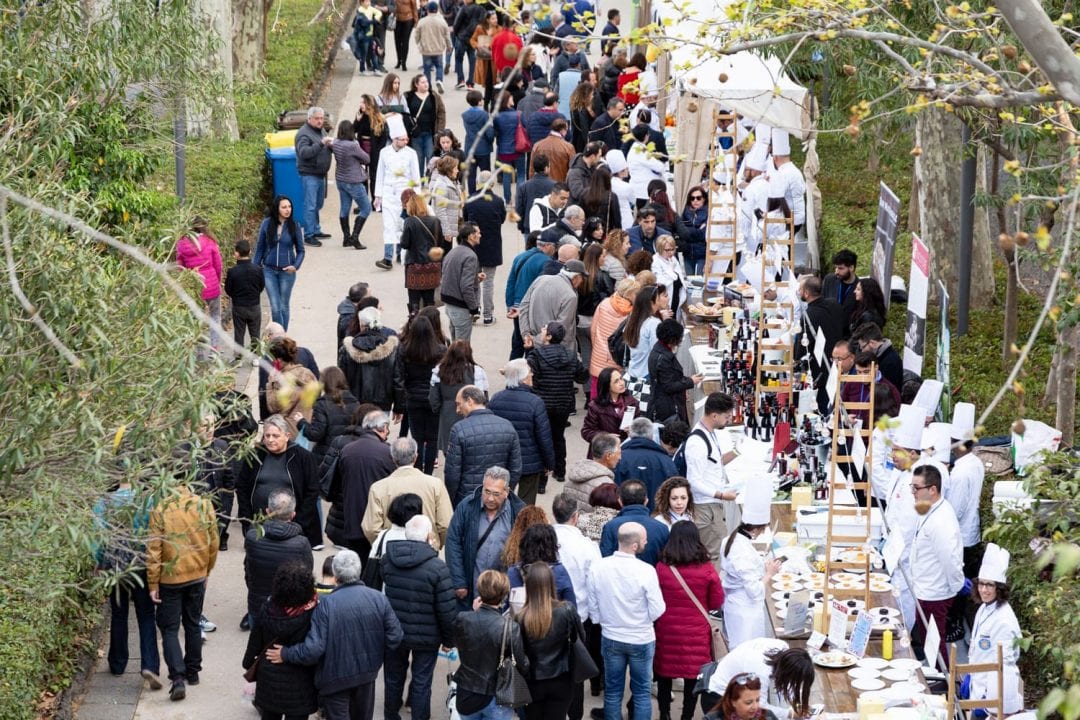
[967, 226]
[179, 149]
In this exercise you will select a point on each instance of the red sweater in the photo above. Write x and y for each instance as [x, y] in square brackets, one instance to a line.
[505, 47]
[683, 644]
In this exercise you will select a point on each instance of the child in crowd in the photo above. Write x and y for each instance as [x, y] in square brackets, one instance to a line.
[479, 136]
[244, 285]
[327, 584]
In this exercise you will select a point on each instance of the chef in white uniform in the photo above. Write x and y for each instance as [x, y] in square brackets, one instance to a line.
[995, 623]
[966, 479]
[754, 196]
[785, 179]
[398, 170]
[900, 515]
[936, 447]
[743, 572]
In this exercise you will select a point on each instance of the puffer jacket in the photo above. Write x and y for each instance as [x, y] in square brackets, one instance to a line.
[279, 542]
[370, 364]
[584, 476]
[204, 258]
[328, 420]
[252, 495]
[352, 629]
[608, 417]
[281, 688]
[417, 584]
[527, 413]
[476, 443]
[335, 518]
[463, 536]
[577, 178]
[555, 369]
[478, 639]
[447, 201]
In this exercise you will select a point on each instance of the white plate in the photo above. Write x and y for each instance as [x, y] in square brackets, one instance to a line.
[902, 713]
[863, 672]
[867, 684]
[781, 595]
[874, 663]
[835, 659]
[896, 674]
[880, 587]
[908, 664]
[909, 688]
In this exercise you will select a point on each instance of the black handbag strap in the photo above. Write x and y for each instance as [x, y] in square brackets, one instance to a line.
[484, 537]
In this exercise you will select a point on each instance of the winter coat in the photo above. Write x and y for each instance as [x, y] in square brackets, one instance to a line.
[608, 417]
[328, 420]
[475, 119]
[417, 584]
[418, 236]
[312, 157]
[539, 125]
[580, 122]
[417, 379]
[488, 211]
[442, 396]
[558, 152]
[577, 177]
[281, 688]
[468, 17]
[335, 518]
[459, 286]
[527, 413]
[485, 67]
[203, 257]
[364, 462]
[252, 496]
[464, 534]
[656, 532]
[477, 634]
[696, 222]
[889, 363]
[644, 460]
[550, 298]
[669, 384]
[279, 251]
[609, 83]
[609, 314]
[584, 476]
[267, 549]
[549, 656]
[447, 201]
[506, 123]
[476, 443]
[352, 629]
[244, 284]
[607, 130]
[182, 544]
[555, 369]
[683, 636]
[525, 268]
[370, 364]
[433, 35]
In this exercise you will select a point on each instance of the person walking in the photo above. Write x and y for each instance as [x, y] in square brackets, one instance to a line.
[198, 250]
[181, 551]
[406, 12]
[525, 410]
[421, 239]
[352, 630]
[276, 542]
[434, 41]
[279, 251]
[460, 284]
[397, 171]
[313, 147]
[555, 368]
[244, 284]
[351, 176]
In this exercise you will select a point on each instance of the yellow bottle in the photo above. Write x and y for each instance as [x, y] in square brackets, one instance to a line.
[886, 645]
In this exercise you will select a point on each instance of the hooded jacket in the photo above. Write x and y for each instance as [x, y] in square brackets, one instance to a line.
[417, 584]
[369, 361]
[584, 476]
[281, 687]
[279, 542]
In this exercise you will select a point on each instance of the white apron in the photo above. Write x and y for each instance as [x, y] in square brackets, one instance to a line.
[397, 171]
[743, 578]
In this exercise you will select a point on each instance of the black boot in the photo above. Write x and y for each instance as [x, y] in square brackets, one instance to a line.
[346, 241]
[358, 225]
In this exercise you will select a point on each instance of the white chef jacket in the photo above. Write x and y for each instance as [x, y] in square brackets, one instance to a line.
[654, 120]
[755, 196]
[625, 598]
[625, 195]
[996, 624]
[901, 517]
[946, 478]
[644, 168]
[787, 181]
[937, 556]
[577, 553]
[966, 480]
[742, 574]
[880, 470]
[397, 171]
[749, 657]
[706, 476]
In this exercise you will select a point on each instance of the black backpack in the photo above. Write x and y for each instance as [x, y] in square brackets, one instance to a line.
[616, 345]
[679, 458]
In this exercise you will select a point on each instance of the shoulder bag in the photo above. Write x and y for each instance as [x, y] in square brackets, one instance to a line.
[424, 275]
[716, 625]
[582, 666]
[252, 672]
[521, 138]
[372, 575]
[511, 690]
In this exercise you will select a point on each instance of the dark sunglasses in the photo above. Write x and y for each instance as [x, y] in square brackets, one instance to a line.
[697, 197]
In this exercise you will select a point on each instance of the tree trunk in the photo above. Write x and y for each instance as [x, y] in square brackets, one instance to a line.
[1067, 349]
[937, 168]
[217, 118]
[873, 155]
[249, 32]
[983, 239]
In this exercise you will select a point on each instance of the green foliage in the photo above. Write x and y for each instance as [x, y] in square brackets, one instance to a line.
[1047, 602]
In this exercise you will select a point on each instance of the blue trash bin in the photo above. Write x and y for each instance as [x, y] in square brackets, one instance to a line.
[286, 179]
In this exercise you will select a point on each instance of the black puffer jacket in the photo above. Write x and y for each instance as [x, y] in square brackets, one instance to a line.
[478, 639]
[526, 412]
[417, 584]
[335, 519]
[328, 420]
[284, 689]
[279, 542]
[252, 495]
[669, 384]
[476, 443]
[370, 364]
[555, 370]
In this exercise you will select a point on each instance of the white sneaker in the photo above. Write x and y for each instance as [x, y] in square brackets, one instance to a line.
[439, 87]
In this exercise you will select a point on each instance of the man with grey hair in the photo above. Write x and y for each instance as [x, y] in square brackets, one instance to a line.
[364, 462]
[553, 298]
[279, 540]
[313, 154]
[353, 629]
[407, 479]
[482, 439]
[571, 223]
[587, 474]
[526, 267]
[643, 459]
[418, 585]
[519, 405]
[478, 531]
[625, 599]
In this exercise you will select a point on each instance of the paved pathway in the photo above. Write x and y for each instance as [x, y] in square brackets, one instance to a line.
[321, 283]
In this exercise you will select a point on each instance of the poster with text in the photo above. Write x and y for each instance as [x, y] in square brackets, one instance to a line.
[888, 215]
[918, 289]
[944, 409]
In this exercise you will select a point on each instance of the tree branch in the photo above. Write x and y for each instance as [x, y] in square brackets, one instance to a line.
[1037, 33]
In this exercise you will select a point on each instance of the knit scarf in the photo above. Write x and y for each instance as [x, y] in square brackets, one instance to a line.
[301, 609]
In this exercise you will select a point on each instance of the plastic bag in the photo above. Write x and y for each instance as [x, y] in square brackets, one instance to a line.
[247, 693]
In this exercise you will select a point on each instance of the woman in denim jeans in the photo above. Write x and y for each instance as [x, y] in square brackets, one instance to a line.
[351, 176]
[505, 123]
[280, 252]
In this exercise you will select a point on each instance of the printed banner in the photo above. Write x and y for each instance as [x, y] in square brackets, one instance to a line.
[918, 289]
[944, 409]
[888, 214]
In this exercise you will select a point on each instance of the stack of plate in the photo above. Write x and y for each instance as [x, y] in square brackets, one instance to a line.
[870, 676]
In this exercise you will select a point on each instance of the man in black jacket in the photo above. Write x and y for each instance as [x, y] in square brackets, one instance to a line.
[607, 128]
[313, 155]
[277, 542]
[868, 337]
[469, 16]
[823, 314]
[479, 441]
[364, 462]
[839, 285]
[417, 584]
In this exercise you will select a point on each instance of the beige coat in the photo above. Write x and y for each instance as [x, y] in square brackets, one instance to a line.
[431, 490]
[433, 35]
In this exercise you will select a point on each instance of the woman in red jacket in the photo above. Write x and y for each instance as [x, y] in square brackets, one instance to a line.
[610, 403]
[683, 640]
[629, 79]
